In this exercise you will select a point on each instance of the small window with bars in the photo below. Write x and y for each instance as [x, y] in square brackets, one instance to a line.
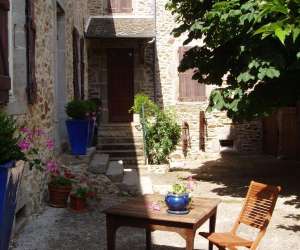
[189, 90]
[119, 6]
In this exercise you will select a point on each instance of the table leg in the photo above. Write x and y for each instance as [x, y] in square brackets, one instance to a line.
[212, 227]
[189, 237]
[110, 232]
[148, 239]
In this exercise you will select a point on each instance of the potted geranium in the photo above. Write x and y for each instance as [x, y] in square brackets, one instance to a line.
[11, 169]
[81, 192]
[78, 126]
[59, 185]
[178, 199]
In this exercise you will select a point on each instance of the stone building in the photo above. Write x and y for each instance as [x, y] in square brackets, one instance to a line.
[133, 38]
[38, 73]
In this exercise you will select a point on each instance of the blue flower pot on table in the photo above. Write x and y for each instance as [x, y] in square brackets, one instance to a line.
[10, 176]
[177, 203]
[78, 131]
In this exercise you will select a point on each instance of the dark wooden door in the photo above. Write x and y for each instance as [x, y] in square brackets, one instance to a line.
[270, 134]
[120, 67]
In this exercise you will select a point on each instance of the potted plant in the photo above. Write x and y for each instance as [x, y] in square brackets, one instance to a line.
[91, 116]
[11, 169]
[59, 186]
[179, 198]
[81, 192]
[78, 126]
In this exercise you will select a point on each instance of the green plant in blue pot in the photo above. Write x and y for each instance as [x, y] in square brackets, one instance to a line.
[11, 169]
[78, 126]
[179, 198]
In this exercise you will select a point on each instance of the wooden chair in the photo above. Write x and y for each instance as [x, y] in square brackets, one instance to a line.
[256, 212]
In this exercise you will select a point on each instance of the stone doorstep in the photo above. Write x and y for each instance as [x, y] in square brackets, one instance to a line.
[69, 159]
[115, 171]
[99, 163]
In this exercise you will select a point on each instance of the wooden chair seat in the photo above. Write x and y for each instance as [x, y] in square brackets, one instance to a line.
[226, 240]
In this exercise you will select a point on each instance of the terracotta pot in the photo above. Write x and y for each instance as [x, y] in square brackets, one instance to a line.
[58, 195]
[77, 204]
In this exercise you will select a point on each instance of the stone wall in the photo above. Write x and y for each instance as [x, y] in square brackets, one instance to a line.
[43, 113]
[99, 7]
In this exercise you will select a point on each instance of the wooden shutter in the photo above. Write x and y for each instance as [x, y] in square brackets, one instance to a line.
[202, 129]
[82, 67]
[75, 64]
[189, 89]
[30, 43]
[119, 6]
[5, 81]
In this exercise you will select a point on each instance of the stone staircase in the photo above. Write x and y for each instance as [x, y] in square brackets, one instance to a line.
[122, 142]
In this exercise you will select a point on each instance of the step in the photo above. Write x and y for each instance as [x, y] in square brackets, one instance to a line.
[120, 146]
[115, 171]
[130, 161]
[122, 153]
[119, 133]
[99, 163]
[121, 140]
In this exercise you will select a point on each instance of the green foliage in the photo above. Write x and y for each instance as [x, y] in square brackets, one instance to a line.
[254, 43]
[179, 188]
[91, 106]
[78, 109]
[9, 149]
[162, 131]
[60, 180]
[140, 100]
[81, 192]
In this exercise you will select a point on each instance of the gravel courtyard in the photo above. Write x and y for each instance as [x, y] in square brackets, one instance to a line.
[225, 177]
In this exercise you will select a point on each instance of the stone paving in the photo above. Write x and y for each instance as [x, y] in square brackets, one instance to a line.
[225, 177]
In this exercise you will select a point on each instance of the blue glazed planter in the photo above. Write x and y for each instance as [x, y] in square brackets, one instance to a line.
[177, 203]
[9, 182]
[78, 131]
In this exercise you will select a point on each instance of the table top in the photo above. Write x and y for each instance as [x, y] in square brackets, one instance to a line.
[142, 208]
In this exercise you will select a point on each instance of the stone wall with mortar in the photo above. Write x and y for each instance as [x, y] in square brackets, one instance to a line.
[139, 7]
[42, 113]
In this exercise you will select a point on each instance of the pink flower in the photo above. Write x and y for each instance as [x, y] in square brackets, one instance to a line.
[24, 130]
[191, 183]
[24, 145]
[52, 168]
[50, 144]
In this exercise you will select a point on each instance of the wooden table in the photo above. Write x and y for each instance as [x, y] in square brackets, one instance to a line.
[137, 212]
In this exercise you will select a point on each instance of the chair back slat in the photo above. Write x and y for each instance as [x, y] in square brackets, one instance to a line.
[259, 205]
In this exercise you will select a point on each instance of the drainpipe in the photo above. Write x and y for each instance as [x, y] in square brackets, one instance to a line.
[154, 53]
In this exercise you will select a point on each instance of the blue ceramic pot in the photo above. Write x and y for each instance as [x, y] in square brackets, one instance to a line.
[177, 202]
[78, 131]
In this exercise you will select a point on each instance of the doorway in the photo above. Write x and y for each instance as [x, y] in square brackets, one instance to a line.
[120, 79]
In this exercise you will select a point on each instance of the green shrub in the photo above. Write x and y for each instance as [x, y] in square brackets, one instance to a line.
[9, 149]
[162, 131]
[91, 106]
[77, 109]
[150, 108]
[163, 134]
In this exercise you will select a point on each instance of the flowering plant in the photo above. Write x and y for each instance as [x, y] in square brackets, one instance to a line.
[36, 146]
[58, 177]
[183, 188]
[82, 188]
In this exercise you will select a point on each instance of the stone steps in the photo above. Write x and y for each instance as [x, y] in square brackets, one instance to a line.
[121, 146]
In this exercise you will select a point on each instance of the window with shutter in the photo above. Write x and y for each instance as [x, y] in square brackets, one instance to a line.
[31, 37]
[119, 6]
[76, 66]
[5, 82]
[82, 66]
[189, 89]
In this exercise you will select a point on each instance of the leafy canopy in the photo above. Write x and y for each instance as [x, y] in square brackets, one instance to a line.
[252, 45]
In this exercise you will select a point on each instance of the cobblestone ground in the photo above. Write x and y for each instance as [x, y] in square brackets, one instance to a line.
[224, 177]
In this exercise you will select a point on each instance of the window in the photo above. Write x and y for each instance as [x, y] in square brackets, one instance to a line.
[5, 82]
[189, 89]
[119, 6]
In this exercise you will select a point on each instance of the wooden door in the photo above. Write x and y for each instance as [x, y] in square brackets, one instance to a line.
[270, 134]
[120, 67]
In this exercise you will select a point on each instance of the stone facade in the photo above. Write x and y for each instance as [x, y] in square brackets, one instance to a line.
[54, 75]
[164, 88]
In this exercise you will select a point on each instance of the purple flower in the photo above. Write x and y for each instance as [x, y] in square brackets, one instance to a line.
[24, 145]
[50, 144]
[191, 183]
[52, 167]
